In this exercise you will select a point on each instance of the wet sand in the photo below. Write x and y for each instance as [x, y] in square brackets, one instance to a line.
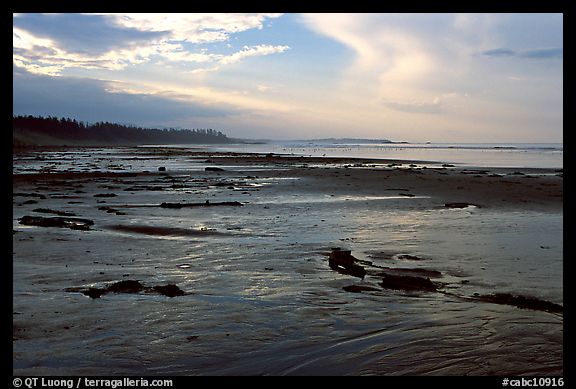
[260, 296]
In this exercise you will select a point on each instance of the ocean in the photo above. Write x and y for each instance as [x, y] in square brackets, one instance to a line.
[521, 155]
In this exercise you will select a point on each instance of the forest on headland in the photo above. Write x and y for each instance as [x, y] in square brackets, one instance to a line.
[52, 131]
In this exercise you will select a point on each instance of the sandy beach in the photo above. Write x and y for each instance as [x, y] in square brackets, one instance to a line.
[249, 241]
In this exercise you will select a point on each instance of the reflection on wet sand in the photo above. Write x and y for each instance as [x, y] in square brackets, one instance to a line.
[444, 290]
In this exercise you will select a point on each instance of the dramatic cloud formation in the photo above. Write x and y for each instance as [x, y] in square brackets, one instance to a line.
[45, 44]
[415, 77]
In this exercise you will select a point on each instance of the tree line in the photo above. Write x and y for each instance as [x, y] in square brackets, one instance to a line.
[67, 129]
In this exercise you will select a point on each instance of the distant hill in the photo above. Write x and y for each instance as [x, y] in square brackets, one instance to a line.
[51, 131]
[352, 141]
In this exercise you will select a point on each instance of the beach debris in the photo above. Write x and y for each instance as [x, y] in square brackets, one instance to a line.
[344, 262]
[59, 213]
[409, 283]
[131, 287]
[63, 222]
[162, 169]
[207, 203]
[519, 301]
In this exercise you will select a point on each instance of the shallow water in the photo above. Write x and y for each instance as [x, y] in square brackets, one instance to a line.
[263, 300]
[546, 155]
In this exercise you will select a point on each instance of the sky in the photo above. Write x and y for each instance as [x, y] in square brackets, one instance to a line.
[404, 77]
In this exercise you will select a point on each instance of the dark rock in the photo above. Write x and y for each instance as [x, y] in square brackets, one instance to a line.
[359, 288]
[457, 205]
[343, 262]
[63, 222]
[169, 290]
[127, 286]
[407, 283]
[60, 213]
[342, 257]
[161, 169]
[105, 195]
[214, 169]
[522, 302]
[108, 209]
[409, 257]
[94, 292]
[27, 202]
[165, 231]
[409, 272]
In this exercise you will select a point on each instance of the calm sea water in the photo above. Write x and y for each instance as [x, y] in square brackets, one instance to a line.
[532, 155]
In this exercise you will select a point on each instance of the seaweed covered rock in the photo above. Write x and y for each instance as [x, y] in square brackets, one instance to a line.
[169, 290]
[127, 286]
[522, 302]
[130, 286]
[73, 223]
[408, 283]
[344, 262]
[94, 292]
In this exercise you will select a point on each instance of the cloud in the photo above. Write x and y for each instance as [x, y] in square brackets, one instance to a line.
[195, 27]
[49, 44]
[546, 53]
[433, 107]
[95, 100]
[502, 52]
[554, 52]
[253, 51]
[397, 47]
[85, 34]
[49, 57]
